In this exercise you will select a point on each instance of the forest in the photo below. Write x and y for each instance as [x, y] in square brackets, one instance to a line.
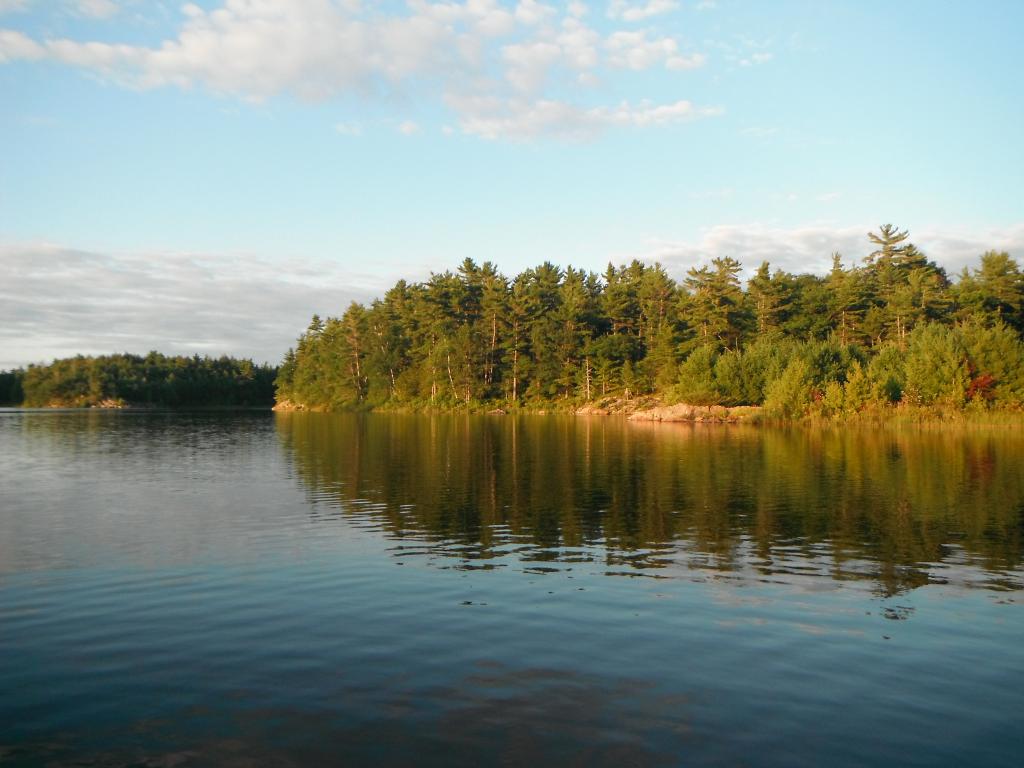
[890, 330]
[134, 380]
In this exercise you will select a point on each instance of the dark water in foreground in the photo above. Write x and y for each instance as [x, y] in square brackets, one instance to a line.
[246, 589]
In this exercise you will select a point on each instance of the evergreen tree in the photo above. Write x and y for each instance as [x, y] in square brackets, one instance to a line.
[769, 296]
[852, 340]
[715, 310]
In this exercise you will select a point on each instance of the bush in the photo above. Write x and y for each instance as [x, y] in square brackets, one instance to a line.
[936, 367]
[858, 392]
[833, 403]
[996, 358]
[789, 396]
[887, 374]
[730, 379]
[696, 383]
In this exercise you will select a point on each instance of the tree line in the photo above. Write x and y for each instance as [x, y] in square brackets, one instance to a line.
[153, 379]
[891, 329]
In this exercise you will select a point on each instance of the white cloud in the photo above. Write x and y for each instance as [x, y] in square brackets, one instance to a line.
[15, 46]
[532, 12]
[315, 50]
[577, 9]
[956, 249]
[743, 51]
[579, 44]
[11, 6]
[492, 118]
[634, 50]
[97, 9]
[809, 248]
[661, 114]
[756, 58]
[529, 64]
[408, 128]
[622, 9]
[57, 301]
[348, 129]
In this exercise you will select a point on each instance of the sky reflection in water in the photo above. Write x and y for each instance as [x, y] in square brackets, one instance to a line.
[210, 589]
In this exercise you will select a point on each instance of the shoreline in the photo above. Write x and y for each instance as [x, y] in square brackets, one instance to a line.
[652, 410]
[129, 408]
[644, 409]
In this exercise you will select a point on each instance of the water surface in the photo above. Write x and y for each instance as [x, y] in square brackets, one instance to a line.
[197, 589]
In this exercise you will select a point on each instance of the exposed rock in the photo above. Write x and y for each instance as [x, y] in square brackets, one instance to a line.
[111, 402]
[607, 406]
[697, 413]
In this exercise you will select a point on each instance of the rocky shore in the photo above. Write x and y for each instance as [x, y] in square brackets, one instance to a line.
[645, 408]
[715, 414]
[652, 409]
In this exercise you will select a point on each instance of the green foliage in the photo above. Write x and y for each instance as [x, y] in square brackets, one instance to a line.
[992, 293]
[887, 373]
[833, 402]
[829, 360]
[860, 337]
[858, 391]
[715, 309]
[731, 379]
[936, 367]
[995, 355]
[697, 383]
[151, 380]
[790, 395]
[11, 392]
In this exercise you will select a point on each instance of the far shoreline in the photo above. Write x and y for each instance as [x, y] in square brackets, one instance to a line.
[652, 410]
[645, 409]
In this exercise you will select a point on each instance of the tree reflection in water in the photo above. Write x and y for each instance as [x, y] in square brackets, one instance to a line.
[897, 508]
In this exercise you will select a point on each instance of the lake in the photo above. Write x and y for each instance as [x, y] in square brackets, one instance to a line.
[308, 589]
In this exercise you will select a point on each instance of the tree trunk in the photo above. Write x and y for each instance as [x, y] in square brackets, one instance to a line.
[451, 379]
[489, 373]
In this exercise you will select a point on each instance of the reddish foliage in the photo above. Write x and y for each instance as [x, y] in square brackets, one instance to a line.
[981, 387]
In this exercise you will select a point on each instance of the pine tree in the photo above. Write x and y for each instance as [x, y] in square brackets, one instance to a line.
[716, 310]
[769, 296]
[848, 301]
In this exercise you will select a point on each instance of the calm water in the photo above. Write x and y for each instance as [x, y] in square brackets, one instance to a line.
[243, 589]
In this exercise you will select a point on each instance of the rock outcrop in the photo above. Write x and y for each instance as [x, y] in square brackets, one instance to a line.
[716, 414]
[613, 405]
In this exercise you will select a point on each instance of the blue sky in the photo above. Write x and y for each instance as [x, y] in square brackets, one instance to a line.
[168, 168]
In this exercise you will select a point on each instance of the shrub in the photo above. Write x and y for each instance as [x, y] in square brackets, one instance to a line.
[696, 383]
[789, 396]
[936, 367]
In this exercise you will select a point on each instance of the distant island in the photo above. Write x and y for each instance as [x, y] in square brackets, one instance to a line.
[891, 332]
[153, 380]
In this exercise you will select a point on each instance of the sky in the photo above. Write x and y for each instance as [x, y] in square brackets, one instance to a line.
[203, 177]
